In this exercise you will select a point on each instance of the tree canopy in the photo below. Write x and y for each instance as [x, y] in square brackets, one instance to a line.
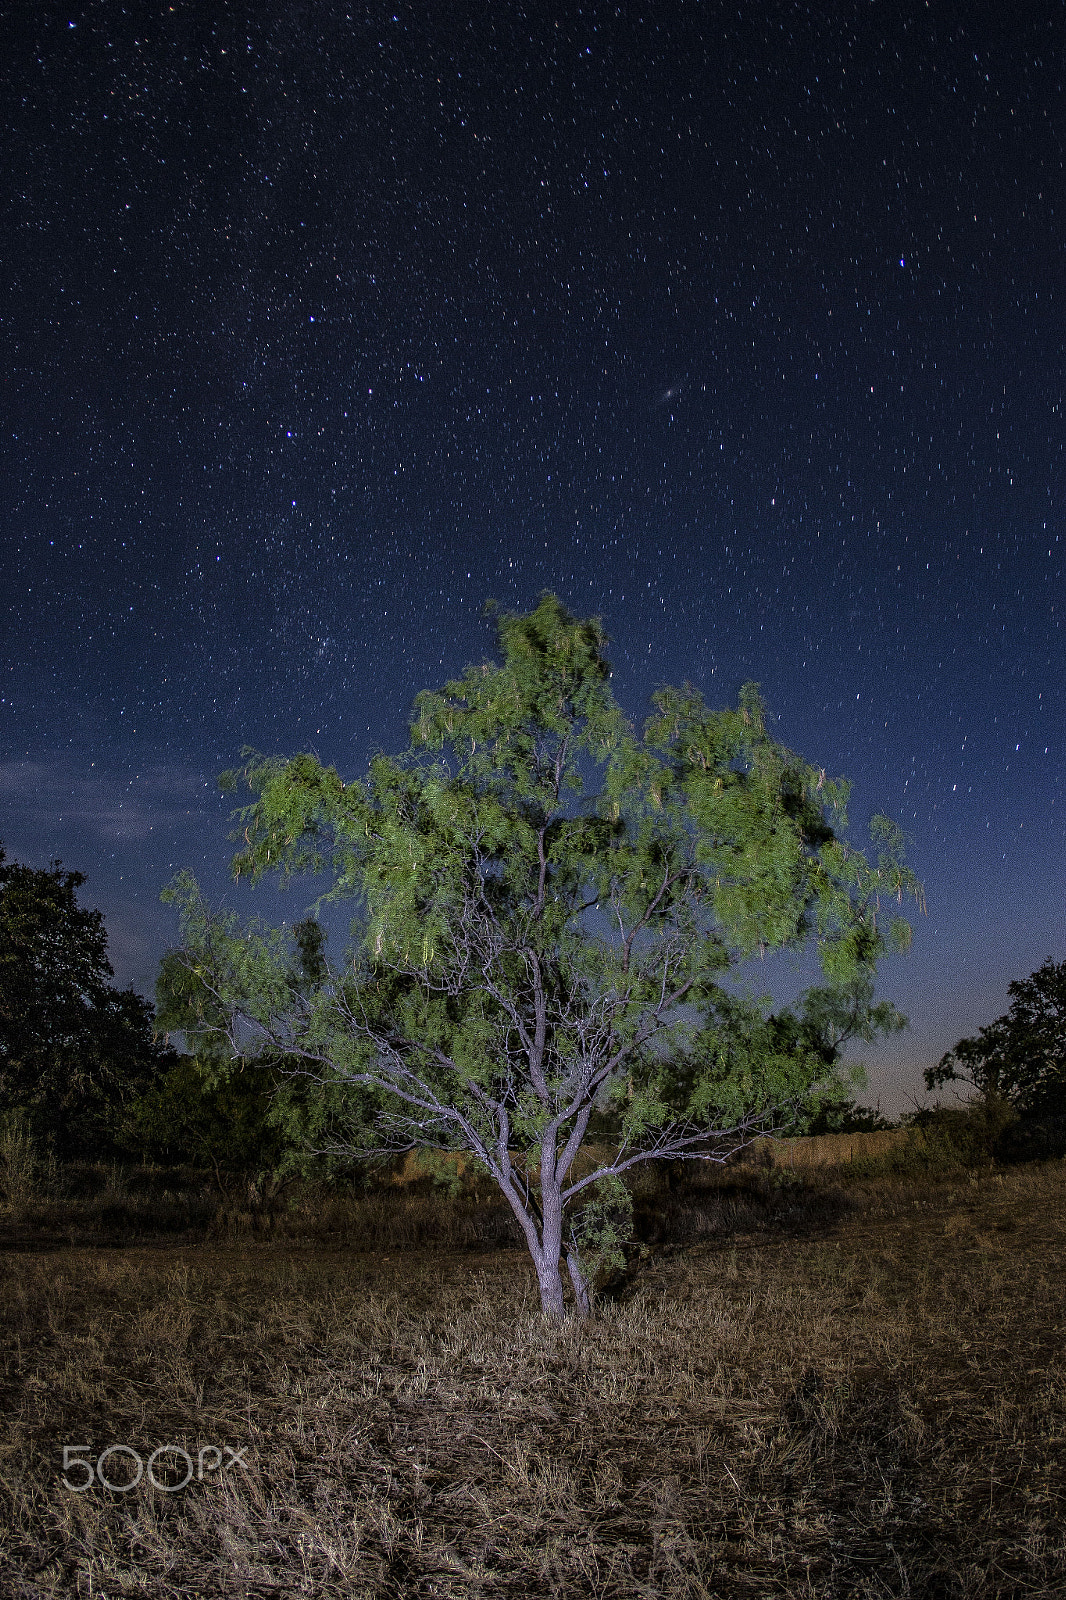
[551, 911]
[1020, 1057]
[74, 1050]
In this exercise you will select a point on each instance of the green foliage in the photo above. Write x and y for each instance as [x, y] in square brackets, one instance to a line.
[1021, 1057]
[601, 1227]
[74, 1051]
[549, 910]
[224, 1124]
[242, 1113]
[444, 1174]
[20, 1160]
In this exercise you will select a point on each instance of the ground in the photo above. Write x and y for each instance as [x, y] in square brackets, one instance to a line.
[860, 1397]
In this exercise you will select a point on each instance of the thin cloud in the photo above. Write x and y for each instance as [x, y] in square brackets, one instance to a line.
[55, 797]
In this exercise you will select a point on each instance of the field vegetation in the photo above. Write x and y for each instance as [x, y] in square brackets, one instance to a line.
[326, 1345]
[810, 1380]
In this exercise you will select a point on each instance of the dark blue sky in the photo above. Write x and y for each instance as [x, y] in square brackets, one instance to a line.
[741, 327]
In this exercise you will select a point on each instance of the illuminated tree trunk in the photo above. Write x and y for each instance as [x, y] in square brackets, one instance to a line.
[546, 1247]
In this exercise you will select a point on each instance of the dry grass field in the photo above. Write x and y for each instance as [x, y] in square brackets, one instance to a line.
[817, 1384]
[831, 1149]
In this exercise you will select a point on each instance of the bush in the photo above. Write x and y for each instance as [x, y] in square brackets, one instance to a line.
[1032, 1139]
[964, 1135]
[848, 1116]
[19, 1159]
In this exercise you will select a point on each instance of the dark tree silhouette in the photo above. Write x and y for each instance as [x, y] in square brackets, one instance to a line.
[1022, 1055]
[74, 1050]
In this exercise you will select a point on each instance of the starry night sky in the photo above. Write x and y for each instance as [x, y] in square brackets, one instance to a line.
[740, 326]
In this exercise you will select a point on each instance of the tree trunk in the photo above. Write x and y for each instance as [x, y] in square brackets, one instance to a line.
[546, 1248]
[549, 1262]
[551, 1240]
[550, 1279]
[580, 1283]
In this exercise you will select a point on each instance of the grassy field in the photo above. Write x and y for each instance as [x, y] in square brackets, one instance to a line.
[817, 1384]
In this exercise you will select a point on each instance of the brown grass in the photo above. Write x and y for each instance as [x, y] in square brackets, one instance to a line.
[813, 1395]
[832, 1149]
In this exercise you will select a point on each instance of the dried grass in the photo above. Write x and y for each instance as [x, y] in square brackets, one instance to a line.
[808, 1399]
[833, 1149]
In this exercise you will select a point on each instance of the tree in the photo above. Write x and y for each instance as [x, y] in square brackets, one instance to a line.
[238, 1125]
[74, 1050]
[1021, 1057]
[251, 1124]
[833, 1018]
[209, 1111]
[550, 910]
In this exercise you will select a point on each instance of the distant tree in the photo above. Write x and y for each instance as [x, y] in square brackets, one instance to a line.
[847, 1116]
[252, 1123]
[550, 907]
[831, 1019]
[1021, 1057]
[74, 1050]
[227, 1125]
